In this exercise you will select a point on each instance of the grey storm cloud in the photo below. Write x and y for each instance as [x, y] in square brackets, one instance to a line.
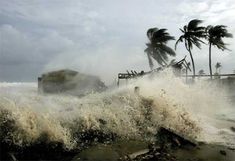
[99, 37]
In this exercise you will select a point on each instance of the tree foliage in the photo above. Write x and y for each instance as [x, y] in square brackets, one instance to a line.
[192, 35]
[157, 48]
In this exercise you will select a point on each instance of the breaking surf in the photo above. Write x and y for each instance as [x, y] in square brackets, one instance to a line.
[69, 123]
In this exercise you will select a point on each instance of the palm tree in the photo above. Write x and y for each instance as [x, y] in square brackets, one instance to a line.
[157, 48]
[192, 33]
[201, 72]
[214, 36]
[218, 66]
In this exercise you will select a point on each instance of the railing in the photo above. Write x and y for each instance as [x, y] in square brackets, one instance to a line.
[129, 75]
[134, 74]
[213, 75]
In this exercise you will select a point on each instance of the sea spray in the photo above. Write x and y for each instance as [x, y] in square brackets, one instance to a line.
[164, 100]
[22, 126]
[208, 103]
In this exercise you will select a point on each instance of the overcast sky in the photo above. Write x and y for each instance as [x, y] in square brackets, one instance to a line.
[101, 37]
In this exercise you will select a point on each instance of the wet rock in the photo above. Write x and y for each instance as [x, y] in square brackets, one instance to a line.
[40, 149]
[37, 151]
[222, 152]
[160, 150]
[232, 128]
[151, 156]
[166, 137]
[134, 155]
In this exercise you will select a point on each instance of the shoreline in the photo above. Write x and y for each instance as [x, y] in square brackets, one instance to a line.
[119, 150]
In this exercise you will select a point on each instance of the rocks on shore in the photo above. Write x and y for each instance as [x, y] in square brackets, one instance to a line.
[161, 149]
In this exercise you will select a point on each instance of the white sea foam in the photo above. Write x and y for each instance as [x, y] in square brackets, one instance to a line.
[189, 110]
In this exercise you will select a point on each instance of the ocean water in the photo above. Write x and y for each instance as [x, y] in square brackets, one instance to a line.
[201, 111]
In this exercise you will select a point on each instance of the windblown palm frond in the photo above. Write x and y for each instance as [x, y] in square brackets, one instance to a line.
[215, 35]
[167, 49]
[157, 48]
[193, 24]
[181, 39]
[192, 34]
[150, 33]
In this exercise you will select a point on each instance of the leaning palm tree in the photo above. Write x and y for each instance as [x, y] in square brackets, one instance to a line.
[192, 34]
[215, 35]
[157, 48]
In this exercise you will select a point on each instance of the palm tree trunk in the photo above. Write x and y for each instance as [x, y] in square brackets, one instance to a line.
[210, 61]
[191, 56]
[186, 76]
